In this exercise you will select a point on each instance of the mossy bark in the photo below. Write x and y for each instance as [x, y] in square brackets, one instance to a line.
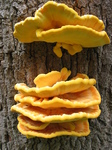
[23, 62]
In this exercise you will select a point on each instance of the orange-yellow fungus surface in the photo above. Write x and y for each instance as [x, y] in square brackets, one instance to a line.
[55, 15]
[81, 99]
[52, 16]
[80, 35]
[51, 78]
[56, 115]
[35, 125]
[55, 106]
[48, 79]
[81, 128]
[59, 88]
[56, 22]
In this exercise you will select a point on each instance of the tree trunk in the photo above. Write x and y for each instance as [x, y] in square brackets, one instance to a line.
[23, 62]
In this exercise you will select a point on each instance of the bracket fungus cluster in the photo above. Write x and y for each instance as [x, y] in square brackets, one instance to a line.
[57, 106]
[56, 22]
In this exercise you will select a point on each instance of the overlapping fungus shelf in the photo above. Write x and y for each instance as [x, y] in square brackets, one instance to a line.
[56, 115]
[81, 99]
[56, 22]
[30, 128]
[57, 106]
[61, 87]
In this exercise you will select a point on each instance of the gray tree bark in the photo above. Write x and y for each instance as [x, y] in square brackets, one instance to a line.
[23, 62]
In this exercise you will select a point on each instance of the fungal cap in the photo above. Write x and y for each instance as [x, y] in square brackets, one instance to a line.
[51, 16]
[65, 73]
[59, 88]
[77, 128]
[48, 79]
[72, 49]
[74, 35]
[51, 78]
[81, 99]
[24, 31]
[34, 125]
[56, 115]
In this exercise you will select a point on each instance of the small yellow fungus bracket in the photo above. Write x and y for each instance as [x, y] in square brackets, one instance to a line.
[35, 125]
[81, 99]
[76, 128]
[51, 78]
[59, 88]
[56, 115]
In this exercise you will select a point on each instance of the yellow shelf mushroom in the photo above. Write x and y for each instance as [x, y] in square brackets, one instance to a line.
[57, 107]
[73, 38]
[61, 15]
[57, 114]
[51, 78]
[35, 125]
[54, 15]
[59, 88]
[77, 128]
[81, 99]
[58, 23]
[79, 83]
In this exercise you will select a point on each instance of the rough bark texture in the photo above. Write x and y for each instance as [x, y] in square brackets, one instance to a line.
[23, 62]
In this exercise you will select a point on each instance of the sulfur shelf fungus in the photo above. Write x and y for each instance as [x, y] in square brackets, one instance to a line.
[56, 115]
[61, 15]
[57, 106]
[58, 23]
[59, 88]
[74, 128]
[35, 125]
[55, 15]
[72, 49]
[47, 85]
[81, 99]
[51, 78]
[73, 38]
